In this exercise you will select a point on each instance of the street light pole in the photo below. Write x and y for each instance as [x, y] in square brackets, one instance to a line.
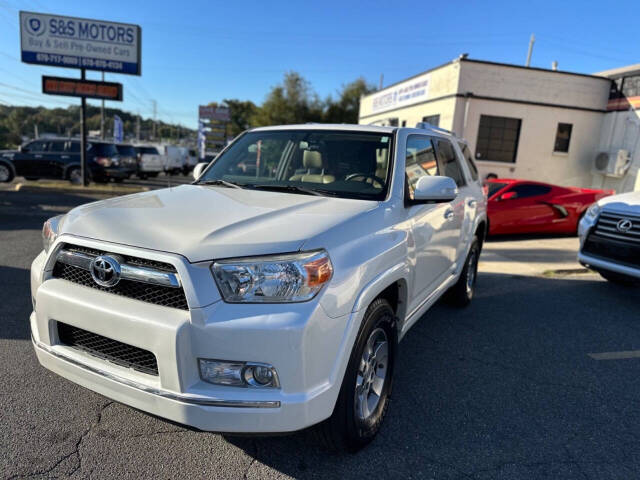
[102, 115]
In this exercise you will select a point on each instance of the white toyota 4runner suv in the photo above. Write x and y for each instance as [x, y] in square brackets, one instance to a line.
[610, 238]
[269, 295]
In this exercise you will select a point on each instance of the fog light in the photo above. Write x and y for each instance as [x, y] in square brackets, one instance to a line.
[238, 374]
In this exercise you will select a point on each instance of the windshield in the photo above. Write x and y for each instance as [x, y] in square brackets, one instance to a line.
[337, 163]
[126, 150]
[493, 187]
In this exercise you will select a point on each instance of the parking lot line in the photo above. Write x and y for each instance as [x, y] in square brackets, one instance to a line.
[616, 355]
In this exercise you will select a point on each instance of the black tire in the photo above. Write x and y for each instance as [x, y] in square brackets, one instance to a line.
[118, 180]
[74, 175]
[618, 278]
[32, 179]
[346, 429]
[461, 294]
[142, 176]
[153, 174]
[6, 173]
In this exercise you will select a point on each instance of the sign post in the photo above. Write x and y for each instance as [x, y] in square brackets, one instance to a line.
[71, 42]
[212, 127]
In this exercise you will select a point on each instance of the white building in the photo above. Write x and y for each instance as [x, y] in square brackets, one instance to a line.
[529, 123]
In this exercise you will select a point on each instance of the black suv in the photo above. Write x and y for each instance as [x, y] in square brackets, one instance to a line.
[128, 158]
[59, 158]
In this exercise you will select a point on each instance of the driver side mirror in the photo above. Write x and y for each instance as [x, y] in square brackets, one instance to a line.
[198, 169]
[436, 189]
[508, 196]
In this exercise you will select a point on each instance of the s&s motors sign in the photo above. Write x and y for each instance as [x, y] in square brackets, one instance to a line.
[73, 42]
[405, 93]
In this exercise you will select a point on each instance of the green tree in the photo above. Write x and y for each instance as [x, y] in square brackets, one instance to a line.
[241, 113]
[293, 101]
[346, 109]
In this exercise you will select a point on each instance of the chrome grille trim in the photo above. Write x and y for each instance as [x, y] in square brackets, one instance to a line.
[128, 272]
[607, 227]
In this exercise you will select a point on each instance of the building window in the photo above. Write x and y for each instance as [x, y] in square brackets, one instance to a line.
[498, 138]
[563, 137]
[432, 120]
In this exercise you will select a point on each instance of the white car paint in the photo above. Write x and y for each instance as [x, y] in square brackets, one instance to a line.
[626, 205]
[371, 244]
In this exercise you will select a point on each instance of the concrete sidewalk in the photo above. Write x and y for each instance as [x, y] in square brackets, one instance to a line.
[532, 256]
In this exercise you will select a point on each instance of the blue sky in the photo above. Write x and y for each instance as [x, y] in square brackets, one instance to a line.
[197, 52]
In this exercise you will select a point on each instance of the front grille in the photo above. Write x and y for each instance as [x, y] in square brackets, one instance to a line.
[145, 292]
[607, 227]
[108, 349]
[607, 243]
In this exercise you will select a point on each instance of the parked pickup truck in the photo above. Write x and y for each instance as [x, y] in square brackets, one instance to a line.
[610, 238]
[267, 300]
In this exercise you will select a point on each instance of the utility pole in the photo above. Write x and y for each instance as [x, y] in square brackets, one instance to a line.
[138, 128]
[83, 137]
[35, 130]
[531, 42]
[155, 111]
[381, 81]
[102, 115]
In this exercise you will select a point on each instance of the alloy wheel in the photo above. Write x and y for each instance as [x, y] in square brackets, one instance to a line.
[372, 374]
[4, 173]
[472, 270]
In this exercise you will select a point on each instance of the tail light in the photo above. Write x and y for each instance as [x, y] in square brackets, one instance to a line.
[103, 161]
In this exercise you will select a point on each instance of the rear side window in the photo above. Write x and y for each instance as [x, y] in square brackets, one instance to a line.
[73, 147]
[149, 150]
[447, 162]
[420, 161]
[57, 146]
[530, 190]
[466, 153]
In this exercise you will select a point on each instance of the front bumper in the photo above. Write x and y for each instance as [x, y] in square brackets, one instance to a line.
[307, 348]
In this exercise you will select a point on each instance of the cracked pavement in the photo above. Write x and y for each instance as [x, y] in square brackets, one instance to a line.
[502, 390]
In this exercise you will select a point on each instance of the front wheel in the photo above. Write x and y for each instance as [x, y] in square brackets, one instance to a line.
[75, 175]
[462, 292]
[366, 386]
[6, 174]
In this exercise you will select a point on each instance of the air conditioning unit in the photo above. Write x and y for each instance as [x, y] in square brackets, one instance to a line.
[612, 164]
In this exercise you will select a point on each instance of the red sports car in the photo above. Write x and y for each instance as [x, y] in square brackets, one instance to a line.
[521, 206]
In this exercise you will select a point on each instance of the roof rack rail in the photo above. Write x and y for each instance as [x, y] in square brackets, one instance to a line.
[428, 126]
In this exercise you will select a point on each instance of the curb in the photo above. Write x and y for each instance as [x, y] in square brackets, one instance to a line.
[66, 188]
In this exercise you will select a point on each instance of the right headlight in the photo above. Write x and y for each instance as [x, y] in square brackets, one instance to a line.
[273, 279]
[50, 232]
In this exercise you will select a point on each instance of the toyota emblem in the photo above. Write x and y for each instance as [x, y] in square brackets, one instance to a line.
[105, 271]
[624, 225]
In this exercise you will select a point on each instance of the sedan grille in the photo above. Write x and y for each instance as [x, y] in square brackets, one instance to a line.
[607, 227]
[108, 349]
[72, 265]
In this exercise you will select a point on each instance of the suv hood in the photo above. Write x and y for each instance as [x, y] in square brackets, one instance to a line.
[206, 222]
[625, 202]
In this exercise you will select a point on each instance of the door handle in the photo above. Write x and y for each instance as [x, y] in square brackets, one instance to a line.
[472, 203]
[448, 215]
[64, 156]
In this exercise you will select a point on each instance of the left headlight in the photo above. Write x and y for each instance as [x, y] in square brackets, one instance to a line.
[50, 232]
[592, 212]
[273, 279]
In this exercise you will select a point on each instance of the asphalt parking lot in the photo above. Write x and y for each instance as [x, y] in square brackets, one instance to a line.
[505, 389]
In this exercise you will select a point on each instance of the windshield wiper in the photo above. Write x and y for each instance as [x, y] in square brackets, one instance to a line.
[289, 188]
[221, 183]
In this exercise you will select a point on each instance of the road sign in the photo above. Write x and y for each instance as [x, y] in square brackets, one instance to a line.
[73, 42]
[73, 87]
[214, 113]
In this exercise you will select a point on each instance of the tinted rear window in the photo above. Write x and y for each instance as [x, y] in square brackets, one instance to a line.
[104, 149]
[149, 150]
[127, 150]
